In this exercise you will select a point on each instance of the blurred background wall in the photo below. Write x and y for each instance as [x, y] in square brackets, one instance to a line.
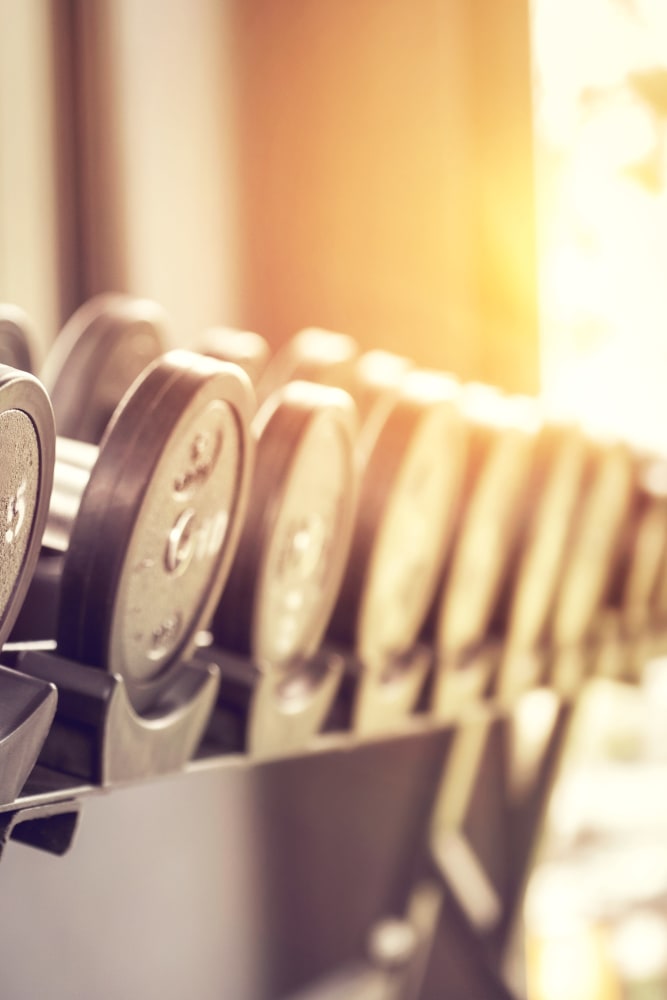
[30, 247]
[357, 165]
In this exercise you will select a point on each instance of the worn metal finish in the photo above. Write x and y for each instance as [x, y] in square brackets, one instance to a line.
[497, 498]
[297, 530]
[313, 355]
[409, 492]
[248, 350]
[374, 384]
[158, 522]
[15, 338]
[102, 348]
[270, 711]
[97, 734]
[26, 474]
[561, 461]
[19, 461]
[595, 548]
[383, 701]
[75, 461]
[637, 588]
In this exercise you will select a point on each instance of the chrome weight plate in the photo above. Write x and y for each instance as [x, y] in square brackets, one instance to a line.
[296, 536]
[244, 348]
[289, 706]
[409, 492]
[383, 700]
[15, 338]
[561, 460]
[658, 604]
[504, 429]
[636, 584]
[313, 355]
[27, 448]
[99, 353]
[374, 382]
[158, 522]
[593, 552]
[526, 601]
[267, 710]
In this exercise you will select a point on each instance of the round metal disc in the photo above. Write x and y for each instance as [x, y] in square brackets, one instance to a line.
[297, 531]
[159, 522]
[383, 700]
[289, 706]
[248, 350]
[562, 457]
[637, 582]
[27, 448]
[374, 384]
[409, 492]
[596, 541]
[313, 355]
[101, 350]
[659, 595]
[15, 338]
[494, 512]
[650, 544]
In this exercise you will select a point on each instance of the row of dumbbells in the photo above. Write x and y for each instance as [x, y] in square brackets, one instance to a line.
[281, 513]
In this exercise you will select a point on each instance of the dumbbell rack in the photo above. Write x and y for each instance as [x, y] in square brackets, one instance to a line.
[377, 793]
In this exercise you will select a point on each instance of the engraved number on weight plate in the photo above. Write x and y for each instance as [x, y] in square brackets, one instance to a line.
[16, 514]
[185, 541]
[204, 452]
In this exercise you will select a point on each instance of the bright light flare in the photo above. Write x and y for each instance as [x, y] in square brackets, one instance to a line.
[602, 149]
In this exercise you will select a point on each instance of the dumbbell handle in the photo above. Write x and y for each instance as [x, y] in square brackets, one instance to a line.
[74, 463]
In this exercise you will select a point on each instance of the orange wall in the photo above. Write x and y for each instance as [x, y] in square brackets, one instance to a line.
[385, 169]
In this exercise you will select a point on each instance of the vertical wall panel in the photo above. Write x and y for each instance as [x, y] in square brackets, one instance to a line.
[159, 176]
[29, 244]
[387, 184]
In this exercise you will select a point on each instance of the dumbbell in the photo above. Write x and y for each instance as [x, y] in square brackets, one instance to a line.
[27, 447]
[635, 586]
[287, 570]
[556, 487]
[250, 351]
[286, 575]
[100, 351]
[280, 489]
[312, 355]
[404, 515]
[374, 380]
[594, 550]
[16, 340]
[413, 456]
[329, 359]
[148, 523]
[561, 460]
[408, 420]
[301, 422]
[626, 629]
[27, 442]
[659, 600]
[503, 433]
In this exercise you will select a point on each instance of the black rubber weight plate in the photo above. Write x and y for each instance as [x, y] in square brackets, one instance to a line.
[158, 522]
